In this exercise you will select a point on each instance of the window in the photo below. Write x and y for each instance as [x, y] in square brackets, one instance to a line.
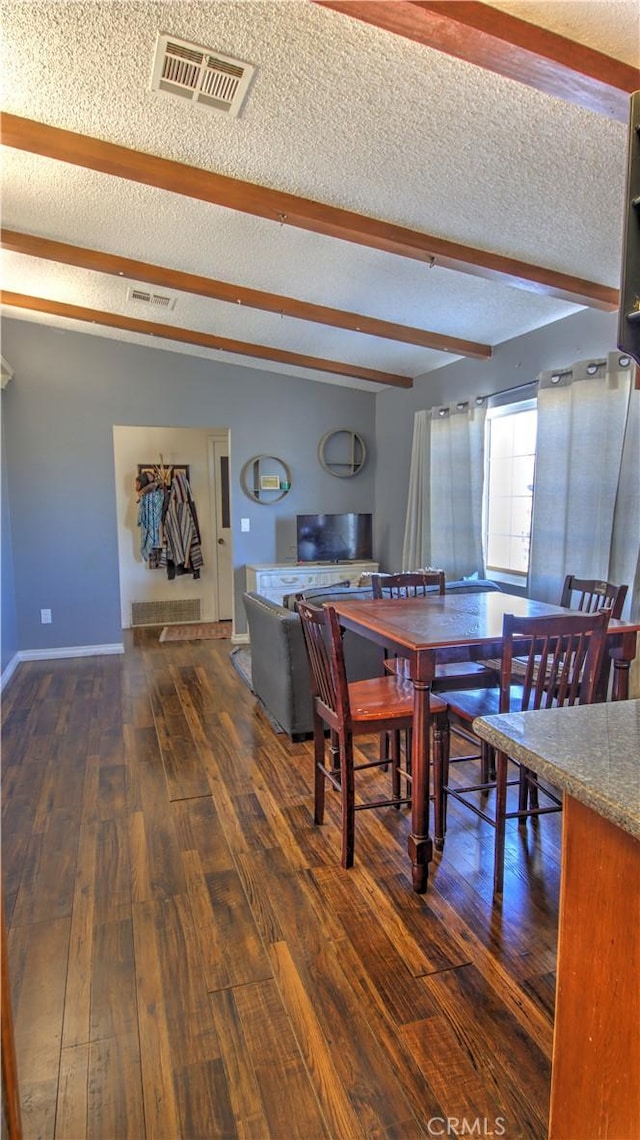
[511, 453]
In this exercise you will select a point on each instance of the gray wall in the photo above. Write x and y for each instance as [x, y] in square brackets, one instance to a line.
[588, 333]
[70, 389]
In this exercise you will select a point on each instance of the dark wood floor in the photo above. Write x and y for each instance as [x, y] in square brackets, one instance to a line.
[188, 959]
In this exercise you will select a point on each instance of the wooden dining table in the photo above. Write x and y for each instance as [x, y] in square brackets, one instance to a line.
[416, 628]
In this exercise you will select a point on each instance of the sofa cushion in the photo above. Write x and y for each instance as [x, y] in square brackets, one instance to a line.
[316, 595]
[472, 586]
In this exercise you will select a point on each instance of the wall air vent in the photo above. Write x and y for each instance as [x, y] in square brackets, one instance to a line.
[200, 75]
[163, 613]
[150, 300]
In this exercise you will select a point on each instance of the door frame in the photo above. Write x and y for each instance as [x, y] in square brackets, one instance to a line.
[222, 436]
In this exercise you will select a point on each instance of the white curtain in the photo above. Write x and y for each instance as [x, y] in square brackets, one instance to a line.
[415, 548]
[582, 424]
[624, 564]
[444, 511]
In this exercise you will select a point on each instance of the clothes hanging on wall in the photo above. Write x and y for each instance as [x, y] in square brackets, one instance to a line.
[167, 516]
[150, 509]
[182, 551]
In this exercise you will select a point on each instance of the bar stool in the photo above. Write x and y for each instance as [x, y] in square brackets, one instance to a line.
[349, 710]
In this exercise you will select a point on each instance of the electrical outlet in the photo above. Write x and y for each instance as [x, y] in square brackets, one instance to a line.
[245, 524]
[45, 617]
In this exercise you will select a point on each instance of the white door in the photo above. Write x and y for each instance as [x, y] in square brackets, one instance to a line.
[221, 517]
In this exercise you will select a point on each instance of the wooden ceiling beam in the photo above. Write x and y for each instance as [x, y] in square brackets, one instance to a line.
[204, 340]
[173, 279]
[302, 213]
[505, 44]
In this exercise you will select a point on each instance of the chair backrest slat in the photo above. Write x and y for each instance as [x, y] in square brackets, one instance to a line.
[323, 639]
[587, 595]
[562, 658]
[408, 584]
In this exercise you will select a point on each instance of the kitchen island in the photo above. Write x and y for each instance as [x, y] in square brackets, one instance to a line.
[592, 753]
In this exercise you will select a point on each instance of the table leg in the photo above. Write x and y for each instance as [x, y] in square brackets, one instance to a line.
[620, 690]
[420, 846]
[623, 654]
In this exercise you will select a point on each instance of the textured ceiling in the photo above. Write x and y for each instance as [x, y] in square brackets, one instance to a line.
[339, 112]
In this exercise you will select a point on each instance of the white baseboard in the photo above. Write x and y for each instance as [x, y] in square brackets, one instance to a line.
[69, 651]
[240, 639]
[53, 654]
[9, 671]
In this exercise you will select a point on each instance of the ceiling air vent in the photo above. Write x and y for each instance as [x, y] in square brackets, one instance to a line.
[200, 75]
[151, 300]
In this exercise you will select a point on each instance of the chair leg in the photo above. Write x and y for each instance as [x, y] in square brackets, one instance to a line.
[487, 763]
[523, 794]
[528, 800]
[533, 790]
[395, 765]
[441, 747]
[500, 822]
[446, 757]
[348, 802]
[319, 769]
[334, 749]
[384, 749]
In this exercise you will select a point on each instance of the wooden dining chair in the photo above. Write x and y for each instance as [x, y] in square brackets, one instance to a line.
[588, 595]
[408, 584]
[584, 595]
[352, 709]
[563, 657]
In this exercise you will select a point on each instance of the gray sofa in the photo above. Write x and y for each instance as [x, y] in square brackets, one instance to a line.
[279, 669]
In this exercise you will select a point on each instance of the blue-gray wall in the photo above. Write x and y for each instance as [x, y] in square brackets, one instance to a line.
[70, 389]
[588, 333]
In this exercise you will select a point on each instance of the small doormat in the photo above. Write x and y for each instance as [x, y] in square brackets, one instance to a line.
[196, 631]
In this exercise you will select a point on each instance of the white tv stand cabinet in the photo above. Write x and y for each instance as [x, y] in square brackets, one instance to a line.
[276, 580]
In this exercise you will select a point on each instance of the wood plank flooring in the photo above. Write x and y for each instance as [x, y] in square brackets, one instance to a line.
[187, 958]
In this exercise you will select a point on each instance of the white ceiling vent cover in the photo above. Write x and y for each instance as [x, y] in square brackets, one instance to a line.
[200, 75]
[137, 297]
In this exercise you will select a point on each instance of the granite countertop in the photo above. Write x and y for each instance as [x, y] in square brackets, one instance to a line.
[590, 751]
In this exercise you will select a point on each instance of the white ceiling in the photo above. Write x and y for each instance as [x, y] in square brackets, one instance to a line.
[339, 112]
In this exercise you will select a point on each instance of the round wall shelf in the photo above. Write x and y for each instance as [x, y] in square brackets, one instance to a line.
[265, 479]
[342, 452]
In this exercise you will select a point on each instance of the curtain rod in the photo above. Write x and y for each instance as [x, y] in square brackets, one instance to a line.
[520, 387]
[506, 391]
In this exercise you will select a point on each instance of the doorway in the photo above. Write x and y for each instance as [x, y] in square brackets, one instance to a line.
[147, 595]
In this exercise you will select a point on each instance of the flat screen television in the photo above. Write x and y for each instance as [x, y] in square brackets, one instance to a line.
[334, 538]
